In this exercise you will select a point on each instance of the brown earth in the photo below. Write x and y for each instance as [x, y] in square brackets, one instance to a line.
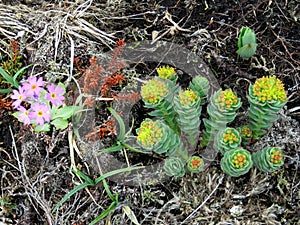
[35, 167]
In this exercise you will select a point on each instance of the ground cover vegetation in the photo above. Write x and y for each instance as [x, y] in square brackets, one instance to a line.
[93, 132]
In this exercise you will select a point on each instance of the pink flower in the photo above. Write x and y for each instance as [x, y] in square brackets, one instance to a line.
[33, 86]
[23, 115]
[40, 113]
[19, 96]
[54, 94]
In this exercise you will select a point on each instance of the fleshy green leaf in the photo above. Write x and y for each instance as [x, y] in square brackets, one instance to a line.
[247, 50]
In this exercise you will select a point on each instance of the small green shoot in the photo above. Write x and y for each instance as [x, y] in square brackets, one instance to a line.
[246, 43]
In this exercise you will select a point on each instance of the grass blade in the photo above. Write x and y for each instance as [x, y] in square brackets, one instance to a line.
[104, 214]
[114, 172]
[68, 195]
[121, 136]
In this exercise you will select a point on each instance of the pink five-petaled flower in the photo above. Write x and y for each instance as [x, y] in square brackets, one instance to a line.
[19, 96]
[23, 115]
[40, 113]
[54, 94]
[33, 86]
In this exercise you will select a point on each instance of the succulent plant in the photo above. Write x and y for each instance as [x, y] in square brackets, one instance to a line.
[246, 133]
[195, 164]
[167, 72]
[201, 86]
[158, 137]
[221, 110]
[236, 162]
[158, 94]
[174, 166]
[227, 139]
[266, 97]
[246, 43]
[188, 109]
[268, 159]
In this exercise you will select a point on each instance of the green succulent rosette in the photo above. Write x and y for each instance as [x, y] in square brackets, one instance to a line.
[266, 97]
[167, 72]
[158, 94]
[227, 139]
[268, 159]
[156, 136]
[195, 164]
[174, 167]
[236, 162]
[221, 110]
[201, 86]
[188, 109]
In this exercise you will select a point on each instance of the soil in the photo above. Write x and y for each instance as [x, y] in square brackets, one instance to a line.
[62, 39]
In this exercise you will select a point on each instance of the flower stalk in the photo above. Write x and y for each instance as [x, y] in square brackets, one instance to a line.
[187, 105]
[221, 110]
[266, 97]
[158, 94]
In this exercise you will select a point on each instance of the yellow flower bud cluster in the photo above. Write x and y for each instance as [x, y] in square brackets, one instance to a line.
[239, 160]
[149, 133]
[195, 163]
[153, 91]
[269, 88]
[166, 72]
[230, 137]
[246, 132]
[276, 156]
[227, 99]
[188, 97]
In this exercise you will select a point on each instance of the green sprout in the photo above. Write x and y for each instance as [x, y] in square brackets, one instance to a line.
[246, 43]
[236, 162]
[221, 110]
[268, 159]
[266, 97]
[227, 139]
[174, 166]
[195, 164]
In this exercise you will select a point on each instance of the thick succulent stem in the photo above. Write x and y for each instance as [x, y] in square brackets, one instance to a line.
[158, 94]
[188, 108]
[221, 110]
[266, 97]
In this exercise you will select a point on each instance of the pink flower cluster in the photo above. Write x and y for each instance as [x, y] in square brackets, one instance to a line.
[32, 91]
